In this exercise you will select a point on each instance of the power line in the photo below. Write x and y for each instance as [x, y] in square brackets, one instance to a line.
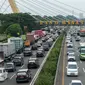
[6, 8]
[69, 6]
[30, 10]
[44, 7]
[27, 7]
[63, 8]
[2, 4]
[39, 7]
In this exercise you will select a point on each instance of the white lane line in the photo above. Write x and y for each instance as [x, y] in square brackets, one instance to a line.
[84, 70]
[12, 76]
[22, 66]
[80, 61]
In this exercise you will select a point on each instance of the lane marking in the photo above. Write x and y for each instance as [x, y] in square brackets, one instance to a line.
[63, 65]
[84, 70]
[12, 76]
[15, 74]
[22, 66]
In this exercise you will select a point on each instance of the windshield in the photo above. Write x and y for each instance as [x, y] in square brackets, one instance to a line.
[70, 51]
[21, 73]
[0, 71]
[76, 83]
[72, 66]
[9, 65]
[71, 55]
[82, 50]
[16, 59]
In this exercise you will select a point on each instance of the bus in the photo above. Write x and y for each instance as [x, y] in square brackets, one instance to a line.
[82, 51]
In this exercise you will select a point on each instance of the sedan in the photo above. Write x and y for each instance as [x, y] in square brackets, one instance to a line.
[18, 61]
[71, 58]
[23, 75]
[76, 82]
[33, 63]
[27, 51]
[40, 53]
[10, 67]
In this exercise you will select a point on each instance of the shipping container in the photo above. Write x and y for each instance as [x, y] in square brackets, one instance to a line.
[6, 50]
[30, 37]
[18, 43]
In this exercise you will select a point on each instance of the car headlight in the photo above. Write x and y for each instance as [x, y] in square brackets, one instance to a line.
[2, 75]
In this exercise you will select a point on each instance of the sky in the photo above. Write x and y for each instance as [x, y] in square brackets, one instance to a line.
[46, 7]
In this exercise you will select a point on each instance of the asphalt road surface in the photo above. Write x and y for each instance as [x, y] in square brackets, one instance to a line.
[81, 64]
[12, 75]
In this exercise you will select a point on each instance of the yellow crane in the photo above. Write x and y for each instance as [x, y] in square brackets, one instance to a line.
[13, 6]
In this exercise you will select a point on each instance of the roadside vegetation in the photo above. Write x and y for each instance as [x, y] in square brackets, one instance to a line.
[47, 74]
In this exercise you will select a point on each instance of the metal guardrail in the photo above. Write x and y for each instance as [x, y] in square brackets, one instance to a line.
[39, 70]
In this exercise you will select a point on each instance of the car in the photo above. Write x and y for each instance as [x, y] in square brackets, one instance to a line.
[33, 63]
[50, 42]
[3, 74]
[10, 67]
[43, 39]
[7, 58]
[23, 75]
[40, 52]
[34, 47]
[76, 82]
[27, 51]
[18, 61]
[69, 45]
[77, 39]
[71, 58]
[70, 51]
[72, 69]
[39, 44]
[46, 47]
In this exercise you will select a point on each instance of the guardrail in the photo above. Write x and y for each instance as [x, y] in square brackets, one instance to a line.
[39, 70]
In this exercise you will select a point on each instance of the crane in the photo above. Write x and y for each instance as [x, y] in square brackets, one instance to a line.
[13, 6]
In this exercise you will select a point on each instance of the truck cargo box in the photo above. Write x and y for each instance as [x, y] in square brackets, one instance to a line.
[7, 48]
[30, 37]
[18, 43]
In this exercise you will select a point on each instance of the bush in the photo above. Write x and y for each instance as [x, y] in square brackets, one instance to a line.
[47, 74]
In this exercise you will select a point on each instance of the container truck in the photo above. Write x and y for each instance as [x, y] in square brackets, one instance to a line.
[18, 42]
[30, 39]
[82, 32]
[82, 51]
[6, 51]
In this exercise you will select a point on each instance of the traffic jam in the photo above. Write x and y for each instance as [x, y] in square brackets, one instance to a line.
[20, 60]
[75, 56]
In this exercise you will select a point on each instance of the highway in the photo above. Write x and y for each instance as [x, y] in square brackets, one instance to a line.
[12, 75]
[81, 64]
[11, 80]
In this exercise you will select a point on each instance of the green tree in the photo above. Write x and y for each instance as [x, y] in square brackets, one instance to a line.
[14, 30]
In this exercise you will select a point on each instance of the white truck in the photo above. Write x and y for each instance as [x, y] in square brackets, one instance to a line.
[18, 42]
[6, 50]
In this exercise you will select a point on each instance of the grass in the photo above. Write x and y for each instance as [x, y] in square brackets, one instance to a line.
[47, 74]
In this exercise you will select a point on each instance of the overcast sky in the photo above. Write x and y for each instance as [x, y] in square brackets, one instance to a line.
[42, 7]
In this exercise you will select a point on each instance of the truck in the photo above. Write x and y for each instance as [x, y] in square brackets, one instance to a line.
[30, 39]
[18, 42]
[82, 51]
[82, 32]
[6, 51]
